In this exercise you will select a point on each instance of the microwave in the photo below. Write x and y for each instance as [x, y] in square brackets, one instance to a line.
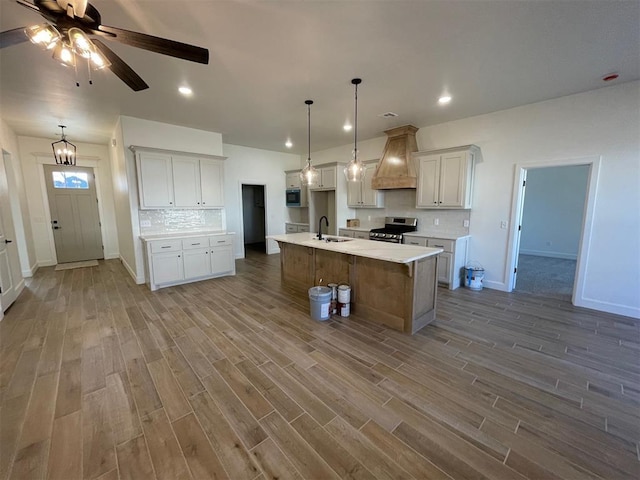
[296, 197]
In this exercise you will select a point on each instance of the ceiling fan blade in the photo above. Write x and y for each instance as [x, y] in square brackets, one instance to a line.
[13, 37]
[28, 5]
[123, 71]
[157, 44]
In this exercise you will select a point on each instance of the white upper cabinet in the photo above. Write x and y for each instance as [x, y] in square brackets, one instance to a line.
[360, 194]
[172, 180]
[155, 180]
[326, 179]
[293, 179]
[445, 177]
[212, 181]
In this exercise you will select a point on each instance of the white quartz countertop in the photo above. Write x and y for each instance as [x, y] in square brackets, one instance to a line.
[174, 235]
[358, 229]
[446, 236]
[390, 252]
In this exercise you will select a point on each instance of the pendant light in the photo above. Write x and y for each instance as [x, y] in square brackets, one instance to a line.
[308, 175]
[64, 151]
[354, 171]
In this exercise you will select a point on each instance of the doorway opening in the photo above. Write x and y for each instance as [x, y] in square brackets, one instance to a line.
[75, 220]
[550, 230]
[553, 210]
[253, 219]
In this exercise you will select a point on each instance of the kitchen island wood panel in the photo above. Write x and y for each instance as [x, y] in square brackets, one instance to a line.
[400, 293]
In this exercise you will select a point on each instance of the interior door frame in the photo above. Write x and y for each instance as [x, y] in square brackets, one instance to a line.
[266, 217]
[86, 162]
[584, 247]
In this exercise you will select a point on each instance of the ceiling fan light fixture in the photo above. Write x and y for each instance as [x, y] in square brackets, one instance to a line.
[80, 43]
[98, 61]
[64, 54]
[45, 35]
[354, 171]
[64, 151]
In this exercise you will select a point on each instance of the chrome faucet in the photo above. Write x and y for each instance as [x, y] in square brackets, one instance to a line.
[320, 226]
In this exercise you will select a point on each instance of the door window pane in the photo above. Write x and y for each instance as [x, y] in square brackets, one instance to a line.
[70, 180]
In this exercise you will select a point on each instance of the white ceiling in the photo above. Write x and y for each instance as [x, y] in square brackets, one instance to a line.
[268, 57]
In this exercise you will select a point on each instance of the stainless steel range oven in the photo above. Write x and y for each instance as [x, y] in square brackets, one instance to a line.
[394, 228]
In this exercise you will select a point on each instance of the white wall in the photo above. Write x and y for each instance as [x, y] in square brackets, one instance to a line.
[20, 208]
[145, 133]
[603, 122]
[256, 167]
[35, 152]
[553, 210]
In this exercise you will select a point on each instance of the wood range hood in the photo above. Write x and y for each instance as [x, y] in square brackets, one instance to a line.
[396, 168]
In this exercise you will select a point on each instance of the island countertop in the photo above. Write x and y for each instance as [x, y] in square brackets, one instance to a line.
[385, 251]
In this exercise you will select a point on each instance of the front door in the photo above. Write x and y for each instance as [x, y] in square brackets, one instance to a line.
[10, 274]
[74, 213]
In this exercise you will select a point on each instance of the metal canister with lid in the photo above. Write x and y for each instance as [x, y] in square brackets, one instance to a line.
[344, 300]
[333, 308]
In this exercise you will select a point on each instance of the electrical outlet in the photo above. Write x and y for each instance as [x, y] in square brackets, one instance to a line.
[436, 221]
[465, 223]
[145, 223]
[503, 224]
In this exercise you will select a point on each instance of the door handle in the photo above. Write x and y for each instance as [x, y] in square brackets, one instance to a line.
[8, 241]
[56, 227]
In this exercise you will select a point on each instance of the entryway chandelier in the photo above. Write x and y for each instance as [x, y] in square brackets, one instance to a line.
[354, 171]
[64, 151]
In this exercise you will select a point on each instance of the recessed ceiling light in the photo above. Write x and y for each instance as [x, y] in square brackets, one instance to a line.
[186, 91]
[443, 100]
[288, 144]
[347, 127]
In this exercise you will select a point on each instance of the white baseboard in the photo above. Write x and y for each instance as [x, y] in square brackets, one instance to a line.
[493, 285]
[615, 308]
[543, 253]
[131, 271]
[111, 256]
[31, 271]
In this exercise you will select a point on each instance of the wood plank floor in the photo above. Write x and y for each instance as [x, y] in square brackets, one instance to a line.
[230, 378]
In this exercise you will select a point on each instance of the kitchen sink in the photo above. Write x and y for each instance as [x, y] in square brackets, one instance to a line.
[335, 239]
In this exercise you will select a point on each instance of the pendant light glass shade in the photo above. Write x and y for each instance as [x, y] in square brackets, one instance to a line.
[308, 175]
[64, 151]
[354, 171]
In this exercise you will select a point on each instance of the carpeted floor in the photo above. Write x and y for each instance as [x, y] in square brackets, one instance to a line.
[552, 277]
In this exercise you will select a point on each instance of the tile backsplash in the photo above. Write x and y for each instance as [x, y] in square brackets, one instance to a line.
[402, 203]
[183, 220]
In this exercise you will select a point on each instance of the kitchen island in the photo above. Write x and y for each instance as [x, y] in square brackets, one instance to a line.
[391, 284]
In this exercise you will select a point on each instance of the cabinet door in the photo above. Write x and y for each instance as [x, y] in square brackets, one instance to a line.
[155, 180]
[196, 263]
[444, 267]
[167, 267]
[293, 180]
[369, 196]
[222, 260]
[211, 179]
[354, 194]
[452, 179]
[428, 182]
[186, 181]
[328, 177]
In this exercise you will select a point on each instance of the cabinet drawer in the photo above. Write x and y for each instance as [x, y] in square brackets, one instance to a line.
[292, 229]
[220, 240]
[446, 245]
[166, 246]
[302, 228]
[195, 242]
[419, 241]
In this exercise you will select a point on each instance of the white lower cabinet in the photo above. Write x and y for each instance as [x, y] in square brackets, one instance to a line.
[451, 261]
[349, 232]
[182, 260]
[296, 227]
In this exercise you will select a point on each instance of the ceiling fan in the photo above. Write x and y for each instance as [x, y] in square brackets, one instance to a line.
[70, 23]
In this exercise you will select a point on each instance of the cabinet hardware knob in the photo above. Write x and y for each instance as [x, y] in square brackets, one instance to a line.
[178, 256]
[170, 203]
[167, 246]
[8, 241]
